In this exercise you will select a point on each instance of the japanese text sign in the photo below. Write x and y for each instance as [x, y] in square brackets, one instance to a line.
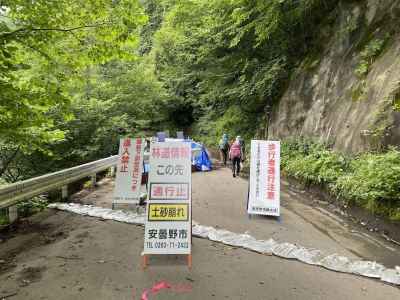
[264, 194]
[168, 221]
[129, 171]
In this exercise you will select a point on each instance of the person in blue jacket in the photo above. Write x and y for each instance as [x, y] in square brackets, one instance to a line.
[223, 147]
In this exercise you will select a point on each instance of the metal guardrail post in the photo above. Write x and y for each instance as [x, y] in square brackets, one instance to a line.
[64, 192]
[93, 180]
[112, 171]
[12, 213]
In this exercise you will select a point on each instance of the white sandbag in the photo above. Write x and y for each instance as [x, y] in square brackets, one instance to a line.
[337, 263]
[367, 268]
[285, 250]
[333, 262]
[391, 276]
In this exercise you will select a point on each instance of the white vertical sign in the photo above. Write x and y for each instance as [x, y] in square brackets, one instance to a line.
[168, 226]
[264, 194]
[129, 171]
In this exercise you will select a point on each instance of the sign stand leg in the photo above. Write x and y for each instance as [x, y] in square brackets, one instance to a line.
[144, 261]
[248, 195]
[191, 221]
[189, 261]
[144, 171]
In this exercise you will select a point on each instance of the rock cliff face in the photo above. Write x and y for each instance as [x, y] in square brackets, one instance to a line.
[349, 93]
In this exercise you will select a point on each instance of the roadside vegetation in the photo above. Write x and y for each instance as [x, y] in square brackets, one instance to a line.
[76, 75]
[370, 180]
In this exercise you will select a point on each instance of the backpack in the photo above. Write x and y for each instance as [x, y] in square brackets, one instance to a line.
[235, 150]
[223, 144]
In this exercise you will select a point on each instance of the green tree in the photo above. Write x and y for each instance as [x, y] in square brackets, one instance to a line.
[216, 57]
[46, 44]
[47, 50]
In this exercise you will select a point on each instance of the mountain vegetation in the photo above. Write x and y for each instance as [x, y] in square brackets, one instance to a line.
[77, 75]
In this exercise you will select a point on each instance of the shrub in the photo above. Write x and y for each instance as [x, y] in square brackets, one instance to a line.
[370, 180]
[373, 182]
[32, 206]
[371, 51]
[3, 217]
[312, 162]
[3, 212]
[3, 182]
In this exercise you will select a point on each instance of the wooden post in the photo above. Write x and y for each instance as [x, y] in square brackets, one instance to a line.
[144, 261]
[12, 213]
[64, 192]
[189, 261]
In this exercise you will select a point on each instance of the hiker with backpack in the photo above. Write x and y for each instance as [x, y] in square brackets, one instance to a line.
[223, 147]
[236, 155]
[243, 147]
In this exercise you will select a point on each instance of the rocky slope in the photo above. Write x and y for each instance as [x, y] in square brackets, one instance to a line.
[348, 92]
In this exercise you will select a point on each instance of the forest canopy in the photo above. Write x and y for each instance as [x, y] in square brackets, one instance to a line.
[76, 75]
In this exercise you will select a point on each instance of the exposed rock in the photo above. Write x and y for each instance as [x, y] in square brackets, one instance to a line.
[327, 100]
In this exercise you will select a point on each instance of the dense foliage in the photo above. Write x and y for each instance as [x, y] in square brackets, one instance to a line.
[76, 75]
[71, 82]
[373, 182]
[312, 163]
[225, 62]
[369, 180]
[45, 47]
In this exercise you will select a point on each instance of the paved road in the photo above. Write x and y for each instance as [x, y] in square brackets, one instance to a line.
[58, 255]
[220, 200]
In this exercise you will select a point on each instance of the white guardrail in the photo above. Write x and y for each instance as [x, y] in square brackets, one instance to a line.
[23, 190]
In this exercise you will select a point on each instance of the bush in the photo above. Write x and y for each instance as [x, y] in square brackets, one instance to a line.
[312, 163]
[371, 51]
[3, 217]
[370, 180]
[3, 182]
[32, 206]
[3, 212]
[373, 182]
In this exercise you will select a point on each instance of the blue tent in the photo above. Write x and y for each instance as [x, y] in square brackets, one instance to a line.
[201, 159]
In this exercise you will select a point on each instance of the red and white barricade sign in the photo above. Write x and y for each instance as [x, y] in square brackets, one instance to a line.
[129, 171]
[264, 193]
